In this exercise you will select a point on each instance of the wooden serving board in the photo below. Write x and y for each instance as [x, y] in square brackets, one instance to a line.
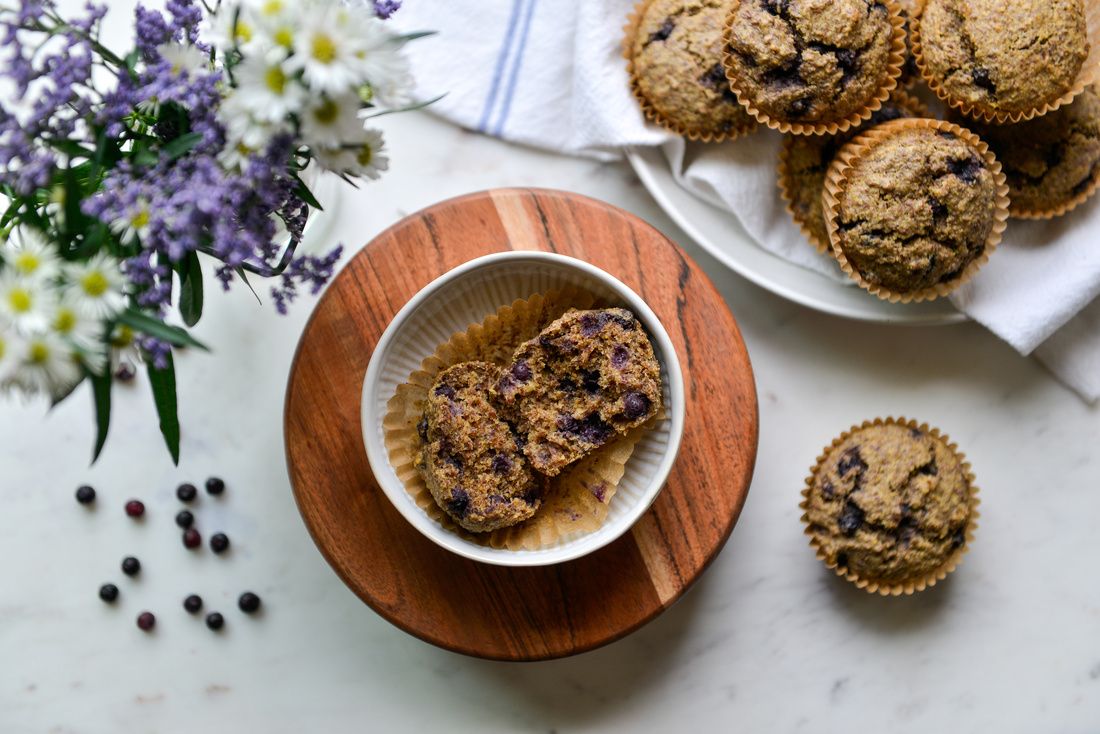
[518, 613]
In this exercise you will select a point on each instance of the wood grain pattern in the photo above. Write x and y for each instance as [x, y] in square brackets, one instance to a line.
[518, 613]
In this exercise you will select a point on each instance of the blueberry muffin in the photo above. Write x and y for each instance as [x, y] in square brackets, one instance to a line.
[1052, 161]
[890, 503]
[916, 209]
[470, 457]
[1002, 57]
[675, 54]
[804, 160]
[811, 61]
[585, 379]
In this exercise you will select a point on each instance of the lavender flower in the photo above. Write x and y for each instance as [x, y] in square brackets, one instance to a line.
[385, 8]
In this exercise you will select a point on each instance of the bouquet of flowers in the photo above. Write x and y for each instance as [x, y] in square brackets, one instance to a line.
[124, 175]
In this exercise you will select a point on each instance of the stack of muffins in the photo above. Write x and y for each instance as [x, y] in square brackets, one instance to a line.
[908, 205]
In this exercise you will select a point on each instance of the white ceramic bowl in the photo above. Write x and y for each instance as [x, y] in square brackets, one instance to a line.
[467, 295]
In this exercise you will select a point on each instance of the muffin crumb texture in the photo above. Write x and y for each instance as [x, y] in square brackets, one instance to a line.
[916, 210]
[588, 377]
[470, 457]
[890, 503]
[809, 60]
[677, 58]
[1004, 56]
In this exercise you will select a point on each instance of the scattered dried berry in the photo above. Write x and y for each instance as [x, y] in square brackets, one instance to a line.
[219, 542]
[214, 485]
[135, 508]
[215, 621]
[131, 566]
[248, 602]
[125, 372]
[186, 492]
[193, 603]
[146, 620]
[85, 495]
[108, 592]
[185, 519]
[191, 538]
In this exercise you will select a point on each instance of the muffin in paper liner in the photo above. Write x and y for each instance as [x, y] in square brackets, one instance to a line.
[630, 32]
[895, 61]
[1087, 74]
[788, 187]
[916, 583]
[849, 157]
[574, 502]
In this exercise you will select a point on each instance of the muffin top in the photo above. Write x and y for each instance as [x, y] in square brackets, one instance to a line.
[1050, 160]
[890, 503]
[998, 66]
[917, 208]
[809, 60]
[677, 57]
[808, 157]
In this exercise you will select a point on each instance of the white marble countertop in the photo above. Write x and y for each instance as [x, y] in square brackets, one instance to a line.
[768, 640]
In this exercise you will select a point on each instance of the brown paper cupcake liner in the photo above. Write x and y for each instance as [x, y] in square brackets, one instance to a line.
[1086, 76]
[787, 184]
[894, 63]
[634, 20]
[1020, 212]
[575, 501]
[909, 586]
[850, 155]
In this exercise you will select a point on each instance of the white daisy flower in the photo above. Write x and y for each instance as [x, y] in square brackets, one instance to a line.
[150, 107]
[124, 347]
[97, 286]
[233, 26]
[264, 90]
[30, 254]
[44, 363]
[77, 327]
[134, 223]
[26, 302]
[9, 345]
[330, 121]
[183, 58]
[362, 158]
[326, 52]
[277, 20]
[382, 64]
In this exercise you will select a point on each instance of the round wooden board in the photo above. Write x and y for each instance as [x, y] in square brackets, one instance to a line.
[492, 611]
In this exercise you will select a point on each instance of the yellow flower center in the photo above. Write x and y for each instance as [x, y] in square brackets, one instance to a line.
[20, 300]
[65, 321]
[3, 347]
[275, 79]
[324, 49]
[284, 37]
[140, 219]
[123, 337]
[272, 7]
[365, 156]
[39, 353]
[27, 262]
[242, 31]
[94, 284]
[326, 113]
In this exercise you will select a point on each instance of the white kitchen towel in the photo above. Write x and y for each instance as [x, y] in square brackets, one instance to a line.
[550, 73]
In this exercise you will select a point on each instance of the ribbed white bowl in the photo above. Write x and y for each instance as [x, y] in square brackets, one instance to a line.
[467, 295]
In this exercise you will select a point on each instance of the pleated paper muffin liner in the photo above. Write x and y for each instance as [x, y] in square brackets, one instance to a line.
[895, 61]
[919, 583]
[575, 501]
[787, 184]
[1020, 212]
[630, 31]
[1085, 76]
[849, 157]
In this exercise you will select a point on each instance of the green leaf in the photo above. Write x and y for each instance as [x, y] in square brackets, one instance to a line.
[407, 108]
[190, 289]
[143, 322]
[405, 38]
[101, 397]
[244, 276]
[163, 383]
[181, 145]
[302, 191]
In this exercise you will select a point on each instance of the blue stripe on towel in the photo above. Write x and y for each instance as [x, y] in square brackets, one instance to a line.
[490, 101]
[517, 65]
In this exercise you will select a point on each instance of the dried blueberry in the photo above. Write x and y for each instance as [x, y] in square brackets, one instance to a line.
[969, 169]
[619, 355]
[193, 604]
[849, 460]
[662, 33]
[219, 542]
[215, 485]
[146, 621]
[590, 381]
[958, 539]
[422, 429]
[929, 469]
[591, 324]
[521, 371]
[186, 492]
[981, 78]
[800, 107]
[215, 621]
[108, 593]
[776, 7]
[635, 405]
[828, 490]
[191, 538]
[842, 559]
[185, 519]
[445, 390]
[566, 385]
[248, 602]
[459, 502]
[501, 464]
[595, 430]
[939, 209]
[85, 495]
[568, 424]
[135, 508]
[851, 517]
[131, 566]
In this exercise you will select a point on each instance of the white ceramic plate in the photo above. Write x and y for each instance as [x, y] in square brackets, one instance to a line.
[719, 233]
[466, 295]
